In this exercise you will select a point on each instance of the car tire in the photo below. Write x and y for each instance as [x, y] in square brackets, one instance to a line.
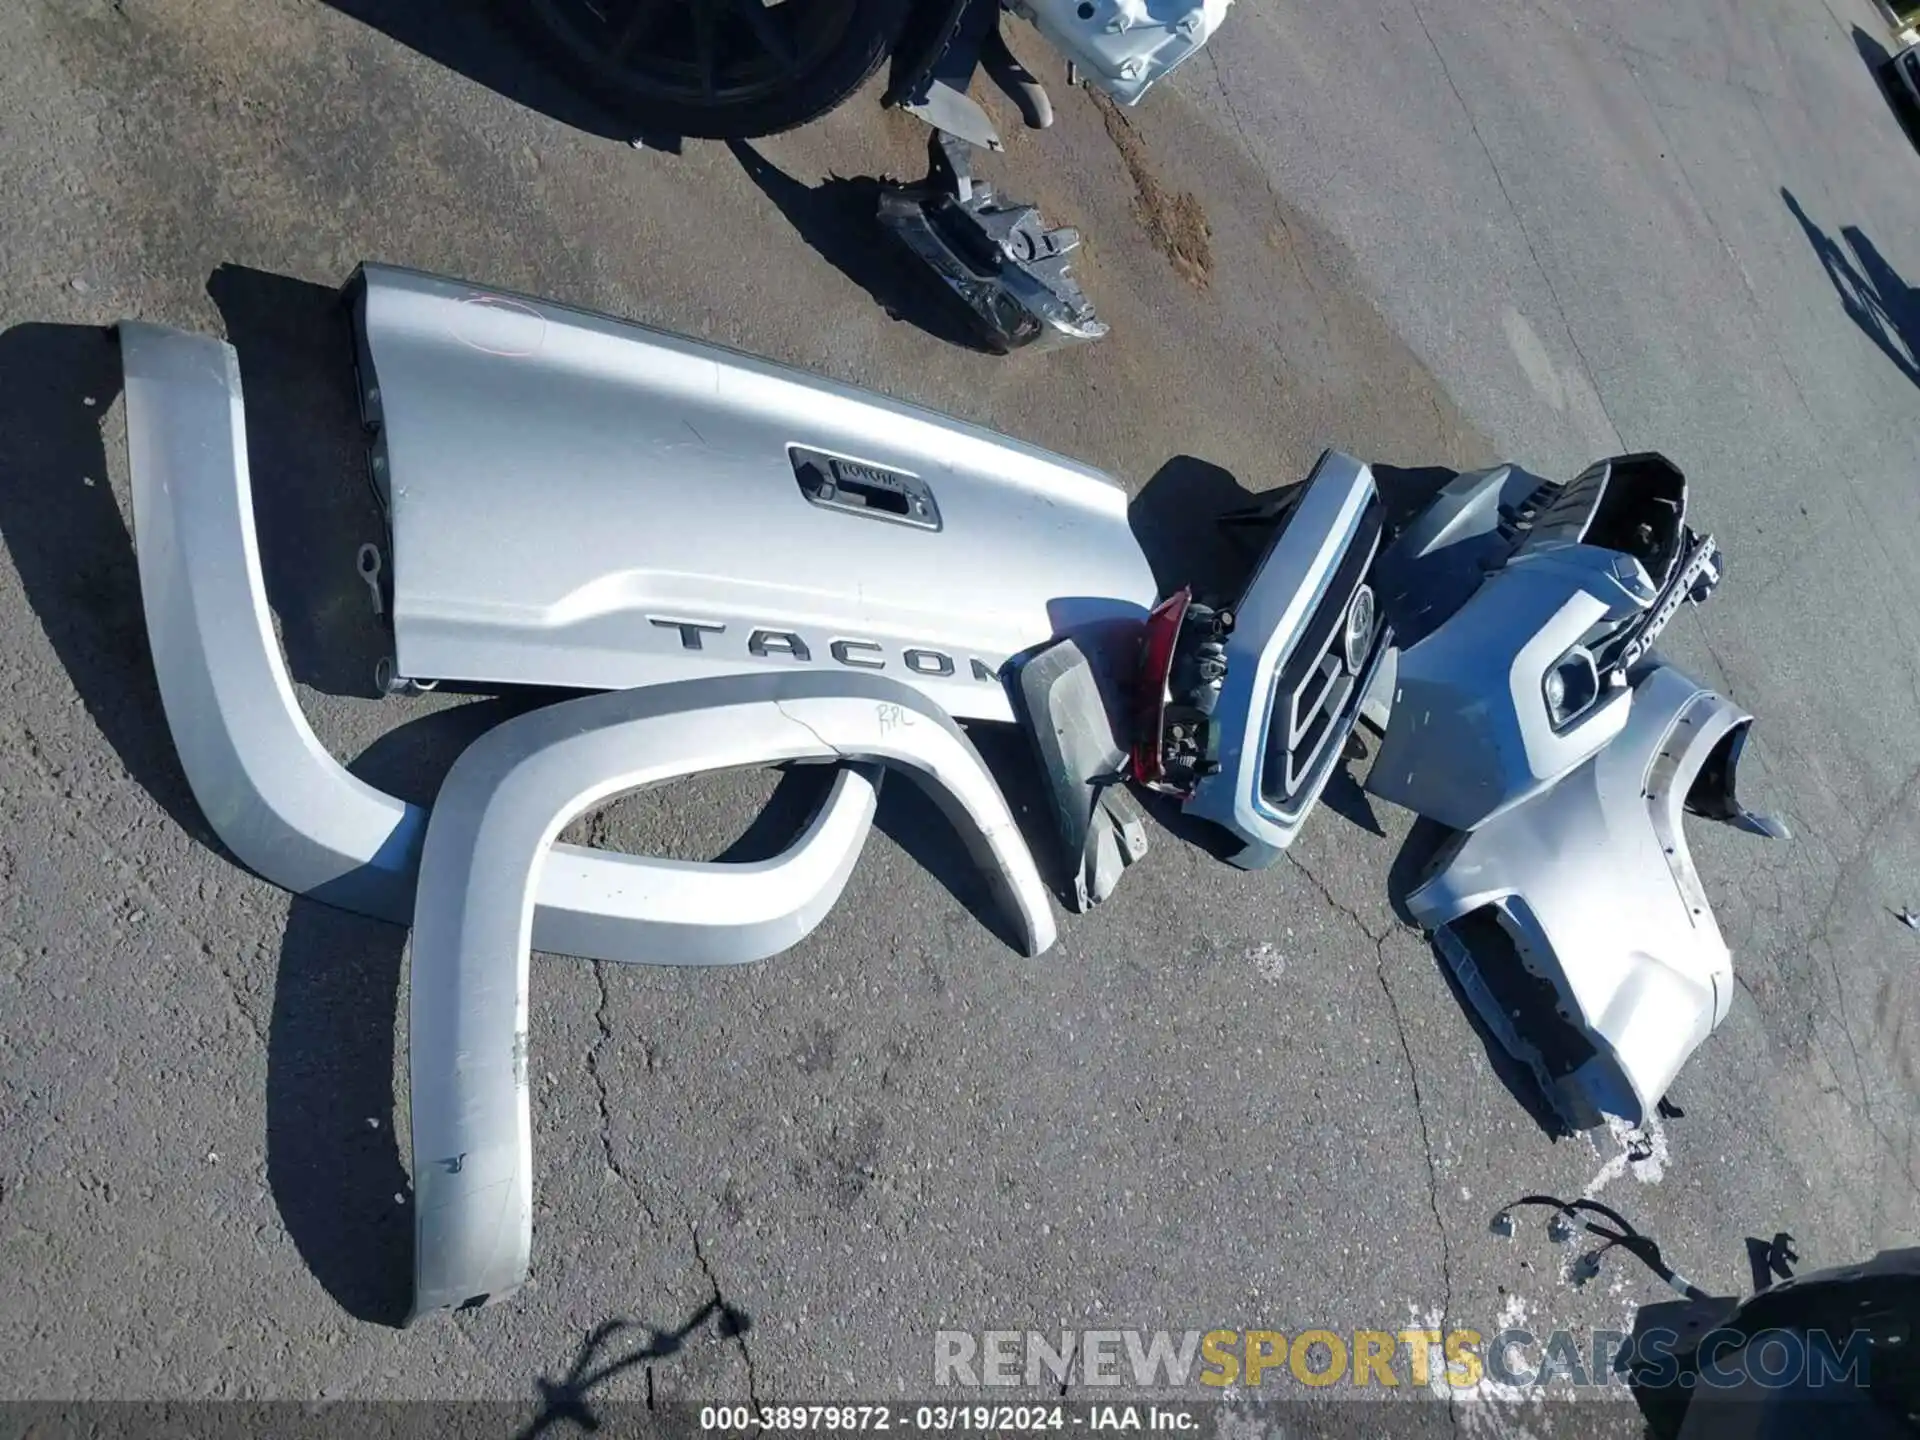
[764, 67]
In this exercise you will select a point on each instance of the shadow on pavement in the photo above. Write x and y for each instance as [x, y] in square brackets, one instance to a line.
[1871, 291]
[333, 1160]
[72, 549]
[838, 219]
[1873, 54]
[1345, 795]
[333, 1155]
[563, 1402]
[911, 819]
[472, 40]
[1518, 1080]
[1175, 518]
[1770, 1260]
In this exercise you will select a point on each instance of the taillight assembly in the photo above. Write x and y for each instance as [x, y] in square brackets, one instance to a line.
[1183, 663]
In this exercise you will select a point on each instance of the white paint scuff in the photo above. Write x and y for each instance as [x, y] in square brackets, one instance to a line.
[1623, 1137]
[1268, 963]
[1487, 1409]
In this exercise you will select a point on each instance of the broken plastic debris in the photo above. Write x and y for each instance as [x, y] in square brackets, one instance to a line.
[1502, 1225]
[1071, 720]
[1909, 919]
[1559, 1229]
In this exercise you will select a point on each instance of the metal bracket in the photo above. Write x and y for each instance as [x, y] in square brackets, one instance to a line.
[998, 258]
[936, 89]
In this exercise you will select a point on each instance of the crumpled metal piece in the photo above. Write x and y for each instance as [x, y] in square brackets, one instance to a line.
[996, 256]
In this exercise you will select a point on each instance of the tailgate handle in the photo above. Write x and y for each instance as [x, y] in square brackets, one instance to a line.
[858, 487]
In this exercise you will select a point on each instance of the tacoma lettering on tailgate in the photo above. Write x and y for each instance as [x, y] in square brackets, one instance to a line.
[764, 643]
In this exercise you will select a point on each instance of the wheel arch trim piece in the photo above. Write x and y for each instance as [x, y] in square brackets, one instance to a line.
[501, 805]
[289, 811]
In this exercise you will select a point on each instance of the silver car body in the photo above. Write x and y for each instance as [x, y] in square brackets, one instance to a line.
[289, 811]
[1592, 886]
[582, 502]
[499, 809]
[1290, 696]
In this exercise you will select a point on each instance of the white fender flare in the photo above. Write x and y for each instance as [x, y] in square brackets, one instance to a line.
[290, 812]
[498, 811]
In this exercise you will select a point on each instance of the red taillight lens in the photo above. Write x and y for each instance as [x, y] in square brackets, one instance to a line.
[1157, 644]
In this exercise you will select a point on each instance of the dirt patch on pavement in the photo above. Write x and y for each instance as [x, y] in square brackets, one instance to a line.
[1174, 219]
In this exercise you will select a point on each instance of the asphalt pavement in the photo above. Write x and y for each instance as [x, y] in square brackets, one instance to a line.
[1435, 233]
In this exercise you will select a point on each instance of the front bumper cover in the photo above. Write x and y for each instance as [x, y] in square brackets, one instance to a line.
[1471, 735]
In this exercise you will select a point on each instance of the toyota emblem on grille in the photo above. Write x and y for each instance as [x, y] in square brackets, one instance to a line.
[1357, 636]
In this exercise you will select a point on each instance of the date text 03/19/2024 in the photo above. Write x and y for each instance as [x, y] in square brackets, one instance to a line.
[935, 1419]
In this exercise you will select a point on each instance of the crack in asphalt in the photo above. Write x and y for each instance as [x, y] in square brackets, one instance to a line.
[1821, 928]
[1446, 73]
[1337, 904]
[732, 1320]
[1597, 30]
[42, 765]
[1713, 653]
[1816, 936]
[1819, 935]
[731, 1317]
[1426, 1150]
[1273, 193]
[1379, 942]
[604, 1098]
